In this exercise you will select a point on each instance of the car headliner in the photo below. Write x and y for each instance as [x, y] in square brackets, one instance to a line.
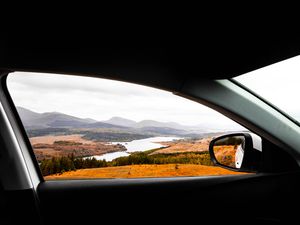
[163, 64]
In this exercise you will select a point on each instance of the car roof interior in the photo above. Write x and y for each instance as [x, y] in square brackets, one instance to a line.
[164, 63]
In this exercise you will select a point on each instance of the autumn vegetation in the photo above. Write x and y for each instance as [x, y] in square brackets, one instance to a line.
[225, 154]
[144, 171]
[48, 147]
[225, 150]
[69, 157]
[59, 165]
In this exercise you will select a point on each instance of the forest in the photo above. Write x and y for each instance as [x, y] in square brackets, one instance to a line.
[59, 165]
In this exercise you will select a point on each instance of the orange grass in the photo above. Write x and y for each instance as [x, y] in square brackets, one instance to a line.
[141, 171]
[228, 151]
[184, 146]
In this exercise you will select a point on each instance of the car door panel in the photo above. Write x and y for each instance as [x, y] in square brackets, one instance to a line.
[209, 199]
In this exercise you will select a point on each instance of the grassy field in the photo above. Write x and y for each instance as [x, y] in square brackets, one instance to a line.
[186, 145]
[143, 171]
[46, 147]
[61, 157]
[225, 154]
[50, 139]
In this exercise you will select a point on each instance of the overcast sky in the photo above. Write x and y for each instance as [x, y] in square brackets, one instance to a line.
[101, 99]
[278, 83]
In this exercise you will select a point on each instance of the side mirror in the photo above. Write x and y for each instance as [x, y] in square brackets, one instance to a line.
[239, 152]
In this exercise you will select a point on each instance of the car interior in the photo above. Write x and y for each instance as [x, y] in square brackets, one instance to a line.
[200, 71]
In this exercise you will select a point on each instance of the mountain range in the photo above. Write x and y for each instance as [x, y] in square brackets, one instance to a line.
[34, 120]
[119, 121]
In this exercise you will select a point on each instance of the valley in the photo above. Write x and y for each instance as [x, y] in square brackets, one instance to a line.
[67, 147]
[144, 171]
[46, 147]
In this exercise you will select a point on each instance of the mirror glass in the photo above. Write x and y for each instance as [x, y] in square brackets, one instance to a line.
[229, 151]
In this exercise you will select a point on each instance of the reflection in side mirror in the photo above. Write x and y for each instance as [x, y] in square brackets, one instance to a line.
[229, 151]
[239, 152]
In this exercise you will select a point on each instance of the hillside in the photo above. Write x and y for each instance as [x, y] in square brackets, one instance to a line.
[182, 146]
[114, 129]
[142, 171]
[153, 123]
[162, 131]
[119, 121]
[46, 147]
[118, 128]
[33, 120]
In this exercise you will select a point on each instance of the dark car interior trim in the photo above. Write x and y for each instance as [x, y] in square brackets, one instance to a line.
[174, 194]
[20, 127]
[265, 101]
[268, 197]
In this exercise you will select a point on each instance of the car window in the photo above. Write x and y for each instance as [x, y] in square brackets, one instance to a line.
[84, 128]
[278, 84]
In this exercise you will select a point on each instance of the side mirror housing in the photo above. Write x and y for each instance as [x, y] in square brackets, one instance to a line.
[238, 152]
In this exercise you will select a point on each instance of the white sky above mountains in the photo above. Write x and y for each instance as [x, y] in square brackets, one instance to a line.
[101, 99]
[278, 83]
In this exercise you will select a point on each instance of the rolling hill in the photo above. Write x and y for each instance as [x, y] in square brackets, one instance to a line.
[55, 122]
[119, 121]
[33, 120]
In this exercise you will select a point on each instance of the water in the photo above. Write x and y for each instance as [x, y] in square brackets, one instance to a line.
[145, 144]
[109, 156]
[136, 146]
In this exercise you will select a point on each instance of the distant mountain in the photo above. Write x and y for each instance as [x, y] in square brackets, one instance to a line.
[145, 124]
[150, 123]
[101, 125]
[119, 121]
[162, 131]
[27, 115]
[34, 120]
[153, 123]
[89, 120]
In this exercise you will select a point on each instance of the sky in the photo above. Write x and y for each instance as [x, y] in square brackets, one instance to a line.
[278, 83]
[101, 99]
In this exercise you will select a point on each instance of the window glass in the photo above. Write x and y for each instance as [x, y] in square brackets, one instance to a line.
[278, 84]
[82, 127]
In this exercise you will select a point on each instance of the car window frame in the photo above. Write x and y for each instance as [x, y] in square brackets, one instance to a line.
[198, 100]
[265, 101]
[29, 147]
[20, 127]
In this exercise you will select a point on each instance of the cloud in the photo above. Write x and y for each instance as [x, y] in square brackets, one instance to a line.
[66, 83]
[102, 99]
[277, 83]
